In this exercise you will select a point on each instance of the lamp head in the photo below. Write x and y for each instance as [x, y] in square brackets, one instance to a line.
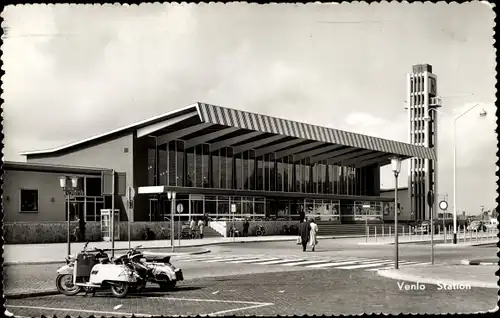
[396, 164]
[169, 195]
[74, 182]
[173, 195]
[483, 113]
[62, 182]
[427, 119]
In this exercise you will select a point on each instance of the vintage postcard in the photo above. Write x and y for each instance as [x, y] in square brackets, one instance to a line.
[243, 159]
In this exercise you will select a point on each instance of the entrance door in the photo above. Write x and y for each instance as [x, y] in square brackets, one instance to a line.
[196, 206]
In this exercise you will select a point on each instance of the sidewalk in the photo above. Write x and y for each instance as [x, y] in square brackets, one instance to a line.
[438, 240]
[457, 276]
[56, 252]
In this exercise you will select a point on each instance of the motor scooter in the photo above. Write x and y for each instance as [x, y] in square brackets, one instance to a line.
[91, 272]
[155, 268]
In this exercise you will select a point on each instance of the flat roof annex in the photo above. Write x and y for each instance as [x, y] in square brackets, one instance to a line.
[371, 149]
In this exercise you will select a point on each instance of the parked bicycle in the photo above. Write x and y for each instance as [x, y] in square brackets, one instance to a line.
[260, 231]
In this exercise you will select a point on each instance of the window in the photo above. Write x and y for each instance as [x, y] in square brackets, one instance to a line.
[29, 200]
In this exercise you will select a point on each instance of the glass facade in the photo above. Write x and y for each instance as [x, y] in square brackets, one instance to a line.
[199, 167]
[88, 201]
[322, 210]
[372, 211]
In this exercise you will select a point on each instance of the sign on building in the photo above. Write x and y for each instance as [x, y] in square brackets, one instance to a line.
[107, 183]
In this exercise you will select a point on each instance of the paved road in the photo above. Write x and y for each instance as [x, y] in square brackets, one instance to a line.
[254, 258]
[327, 291]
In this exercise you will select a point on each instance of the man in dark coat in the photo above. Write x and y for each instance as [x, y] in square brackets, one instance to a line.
[304, 234]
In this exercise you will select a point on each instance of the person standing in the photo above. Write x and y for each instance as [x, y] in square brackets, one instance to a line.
[304, 234]
[312, 235]
[192, 228]
[246, 225]
[200, 227]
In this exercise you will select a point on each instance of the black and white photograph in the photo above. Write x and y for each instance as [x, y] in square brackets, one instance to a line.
[237, 159]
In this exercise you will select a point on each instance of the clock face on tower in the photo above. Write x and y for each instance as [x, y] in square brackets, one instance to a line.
[432, 86]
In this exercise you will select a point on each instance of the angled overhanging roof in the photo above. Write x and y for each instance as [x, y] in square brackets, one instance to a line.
[243, 130]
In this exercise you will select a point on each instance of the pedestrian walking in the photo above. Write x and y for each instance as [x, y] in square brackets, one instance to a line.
[246, 225]
[200, 226]
[312, 235]
[304, 234]
[192, 228]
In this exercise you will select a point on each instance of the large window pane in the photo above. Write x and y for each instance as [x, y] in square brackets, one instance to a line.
[163, 167]
[223, 168]
[205, 165]
[198, 173]
[279, 175]
[266, 172]
[298, 177]
[191, 171]
[239, 171]
[151, 167]
[307, 178]
[285, 174]
[260, 173]
[180, 163]
[29, 200]
[272, 172]
[172, 158]
[229, 168]
[251, 169]
[216, 162]
[315, 178]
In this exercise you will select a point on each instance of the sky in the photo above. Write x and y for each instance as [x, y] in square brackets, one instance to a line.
[73, 71]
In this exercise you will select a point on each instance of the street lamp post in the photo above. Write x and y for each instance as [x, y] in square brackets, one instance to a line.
[396, 167]
[171, 196]
[427, 119]
[69, 185]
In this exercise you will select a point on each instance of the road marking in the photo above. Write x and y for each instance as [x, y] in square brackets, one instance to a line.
[279, 261]
[213, 300]
[238, 309]
[314, 262]
[225, 259]
[381, 263]
[200, 258]
[253, 259]
[83, 310]
[391, 267]
[342, 263]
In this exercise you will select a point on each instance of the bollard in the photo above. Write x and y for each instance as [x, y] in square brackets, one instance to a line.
[367, 229]
[410, 232]
[444, 234]
[389, 232]
[421, 235]
[383, 231]
[375, 234]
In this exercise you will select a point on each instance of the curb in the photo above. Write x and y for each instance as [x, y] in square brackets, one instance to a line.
[202, 251]
[397, 275]
[31, 294]
[477, 262]
[435, 244]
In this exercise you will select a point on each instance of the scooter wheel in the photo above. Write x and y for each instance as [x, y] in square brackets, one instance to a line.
[120, 289]
[65, 286]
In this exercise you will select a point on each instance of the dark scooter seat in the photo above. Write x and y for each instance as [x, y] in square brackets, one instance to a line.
[157, 258]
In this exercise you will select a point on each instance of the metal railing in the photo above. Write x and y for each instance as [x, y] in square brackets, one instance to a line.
[385, 234]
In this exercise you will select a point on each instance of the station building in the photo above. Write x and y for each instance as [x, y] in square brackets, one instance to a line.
[213, 157]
